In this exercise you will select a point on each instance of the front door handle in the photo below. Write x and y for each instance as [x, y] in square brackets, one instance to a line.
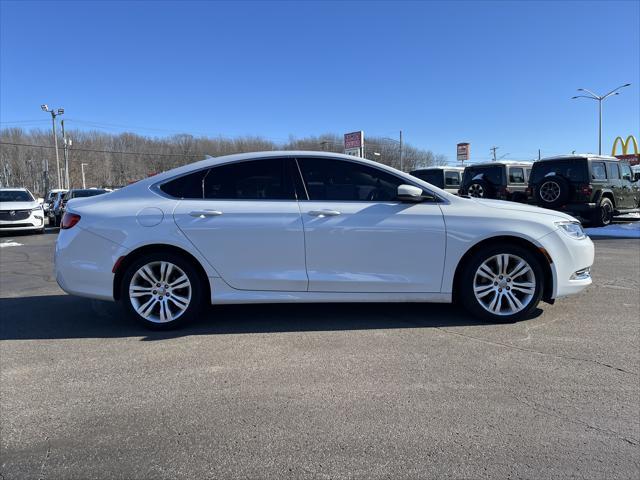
[205, 213]
[324, 213]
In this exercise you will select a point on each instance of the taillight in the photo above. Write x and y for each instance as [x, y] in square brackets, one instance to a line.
[69, 220]
[586, 190]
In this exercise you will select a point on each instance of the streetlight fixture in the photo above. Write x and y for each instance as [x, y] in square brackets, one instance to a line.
[600, 99]
[54, 113]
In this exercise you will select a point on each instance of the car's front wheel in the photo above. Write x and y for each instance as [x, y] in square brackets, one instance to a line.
[503, 283]
[161, 290]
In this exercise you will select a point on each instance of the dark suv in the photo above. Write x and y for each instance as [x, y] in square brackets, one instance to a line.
[594, 188]
[446, 178]
[498, 180]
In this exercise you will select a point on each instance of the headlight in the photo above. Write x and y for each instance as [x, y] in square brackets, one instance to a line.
[37, 209]
[572, 229]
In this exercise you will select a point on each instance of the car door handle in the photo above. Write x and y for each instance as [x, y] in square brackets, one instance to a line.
[205, 213]
[324, 213]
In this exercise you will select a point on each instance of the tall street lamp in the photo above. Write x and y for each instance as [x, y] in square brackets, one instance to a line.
[600, 99]
[54, 113]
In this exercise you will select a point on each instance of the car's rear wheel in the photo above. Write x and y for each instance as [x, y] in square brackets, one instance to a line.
[161, 290]
[503, 283]
[603, 215]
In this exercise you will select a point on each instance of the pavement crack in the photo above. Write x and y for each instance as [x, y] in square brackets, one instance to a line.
[46, 459]
[537, 352]
[554, 413]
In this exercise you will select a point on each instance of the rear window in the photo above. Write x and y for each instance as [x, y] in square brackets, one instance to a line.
[574, 170]
[516, 175]
[87, 193]
[452, 179]
[434, 177]
[490, 173]
[598, 171]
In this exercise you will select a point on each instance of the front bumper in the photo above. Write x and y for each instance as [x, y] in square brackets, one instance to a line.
[35, 221]
[572, 261]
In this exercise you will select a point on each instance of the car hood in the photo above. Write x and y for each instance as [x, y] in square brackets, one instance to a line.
[521, 207]
[18, 205]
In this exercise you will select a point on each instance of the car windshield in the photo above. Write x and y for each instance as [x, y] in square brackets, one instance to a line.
[491, 173]
[572, 169]
[434, 177]
[87, 193]
[15, 196]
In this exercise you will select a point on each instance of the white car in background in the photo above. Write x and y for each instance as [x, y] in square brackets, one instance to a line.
[20, 211]
[312, 227]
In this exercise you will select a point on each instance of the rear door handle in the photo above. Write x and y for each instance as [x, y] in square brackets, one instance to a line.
[205, 213]
[324, 213]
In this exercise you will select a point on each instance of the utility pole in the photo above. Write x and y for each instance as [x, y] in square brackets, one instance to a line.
[600, 99]
[538, 154]
[84, 185]
[401, 158]
[45, 174]
[54, 113]
[66, 142]
[493, 149]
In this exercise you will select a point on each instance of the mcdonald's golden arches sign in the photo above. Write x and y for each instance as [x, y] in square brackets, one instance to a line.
[634, 158]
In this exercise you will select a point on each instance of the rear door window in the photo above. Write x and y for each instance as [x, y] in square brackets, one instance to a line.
[452, 179]
[516, 175]
[598, 171]
[614, 171]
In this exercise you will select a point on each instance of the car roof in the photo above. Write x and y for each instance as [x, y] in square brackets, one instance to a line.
[519, 163]
[439, 167]
[585, 156]
[9, 189]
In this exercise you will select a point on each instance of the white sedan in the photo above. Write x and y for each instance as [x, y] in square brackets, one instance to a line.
[312, 227]
[20, 211]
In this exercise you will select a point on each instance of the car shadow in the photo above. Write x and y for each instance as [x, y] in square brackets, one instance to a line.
[65, 316]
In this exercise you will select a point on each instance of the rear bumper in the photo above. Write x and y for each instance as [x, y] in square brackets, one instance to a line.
[83, 263]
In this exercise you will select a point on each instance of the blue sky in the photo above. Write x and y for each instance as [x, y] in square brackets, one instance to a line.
[490, 73]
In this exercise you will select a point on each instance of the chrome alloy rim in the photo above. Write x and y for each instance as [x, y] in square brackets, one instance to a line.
[550, 191]
[160, 292]
[504, 284]
[476, 190]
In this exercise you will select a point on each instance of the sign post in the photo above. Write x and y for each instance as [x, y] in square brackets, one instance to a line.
[463, 152]
[354, 144]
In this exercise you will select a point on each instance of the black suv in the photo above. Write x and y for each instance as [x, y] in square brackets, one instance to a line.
[446, 178]
[594, 188]
[498, 180]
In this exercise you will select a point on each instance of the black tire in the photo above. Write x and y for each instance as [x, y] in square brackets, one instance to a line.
[194, 304]
[603, 214]
[480, 189]
[552, 192]
[519, 197]
[467, 296]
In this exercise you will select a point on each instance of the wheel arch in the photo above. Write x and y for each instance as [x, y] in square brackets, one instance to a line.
[124, 262]
[540, 253]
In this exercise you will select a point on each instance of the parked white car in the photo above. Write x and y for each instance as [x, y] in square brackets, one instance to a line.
[20, 211]
[312, 227]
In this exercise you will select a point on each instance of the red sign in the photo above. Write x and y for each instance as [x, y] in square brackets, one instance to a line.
[463, 151]
[353, 140]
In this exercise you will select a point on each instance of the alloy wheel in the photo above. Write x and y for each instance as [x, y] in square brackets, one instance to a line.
[504, 284]
[160, 291]
[476, 190]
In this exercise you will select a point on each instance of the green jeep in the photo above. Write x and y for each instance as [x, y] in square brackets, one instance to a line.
[591, 187]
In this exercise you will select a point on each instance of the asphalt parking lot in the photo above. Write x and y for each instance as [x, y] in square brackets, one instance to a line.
[318, 391]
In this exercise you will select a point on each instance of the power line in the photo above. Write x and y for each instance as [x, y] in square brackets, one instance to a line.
[108, 151]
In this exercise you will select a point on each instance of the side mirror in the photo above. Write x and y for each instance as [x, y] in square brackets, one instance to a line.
[40, 200]
[409, 193]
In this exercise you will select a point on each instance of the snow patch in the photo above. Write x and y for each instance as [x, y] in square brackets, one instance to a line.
[617, 230]
[10, 243]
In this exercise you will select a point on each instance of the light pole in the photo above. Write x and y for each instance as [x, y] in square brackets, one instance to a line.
[400, 145]
[66, 144]
[600, 99]
[84, 185]
[54, 113]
